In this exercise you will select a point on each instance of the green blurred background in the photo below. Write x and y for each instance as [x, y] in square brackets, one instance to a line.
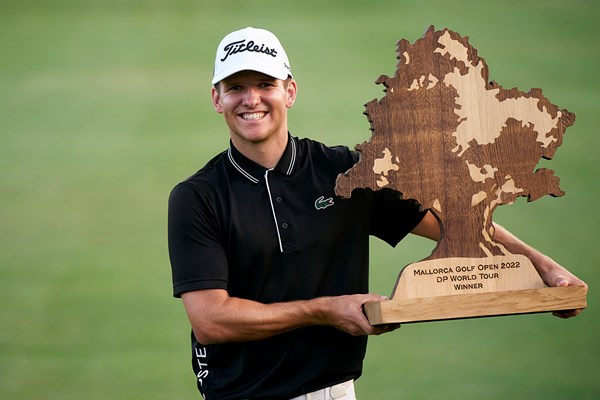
[104, 107]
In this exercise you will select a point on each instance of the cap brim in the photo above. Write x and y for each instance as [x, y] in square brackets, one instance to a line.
[274, 72]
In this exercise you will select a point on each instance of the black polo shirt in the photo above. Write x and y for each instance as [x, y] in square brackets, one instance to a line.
[279, 235]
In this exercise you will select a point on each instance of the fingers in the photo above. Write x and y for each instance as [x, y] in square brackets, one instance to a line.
[378, 329]
[563, 281]
[348, 315]
[385, 328]
[567, 313]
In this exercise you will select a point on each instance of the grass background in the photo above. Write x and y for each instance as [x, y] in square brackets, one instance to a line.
[104, 106]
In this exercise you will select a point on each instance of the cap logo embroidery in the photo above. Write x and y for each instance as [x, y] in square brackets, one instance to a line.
[321, 203]
[240, 46]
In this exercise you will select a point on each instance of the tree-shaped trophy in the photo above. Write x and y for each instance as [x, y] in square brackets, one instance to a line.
[461, 146]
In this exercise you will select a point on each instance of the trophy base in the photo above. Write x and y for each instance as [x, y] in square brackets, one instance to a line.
[476, 305]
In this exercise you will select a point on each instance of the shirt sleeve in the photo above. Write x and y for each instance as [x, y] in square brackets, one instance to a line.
[392, 217]
[198, 259]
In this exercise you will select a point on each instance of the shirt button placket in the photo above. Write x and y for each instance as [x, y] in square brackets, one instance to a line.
[284, 232]
[285, 226]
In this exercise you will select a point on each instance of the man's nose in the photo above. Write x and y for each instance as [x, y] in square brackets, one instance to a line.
[251, 98]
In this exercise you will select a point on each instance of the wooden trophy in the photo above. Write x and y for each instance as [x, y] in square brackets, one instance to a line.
[461, 146]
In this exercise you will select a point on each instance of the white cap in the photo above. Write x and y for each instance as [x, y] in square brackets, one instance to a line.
[251, 49]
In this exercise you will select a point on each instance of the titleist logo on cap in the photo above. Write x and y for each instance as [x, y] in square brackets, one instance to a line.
[251, 49]
[240, 46]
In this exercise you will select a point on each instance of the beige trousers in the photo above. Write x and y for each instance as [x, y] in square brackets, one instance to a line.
[341, 391]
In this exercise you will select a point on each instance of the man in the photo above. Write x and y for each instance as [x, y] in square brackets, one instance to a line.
[272, 268]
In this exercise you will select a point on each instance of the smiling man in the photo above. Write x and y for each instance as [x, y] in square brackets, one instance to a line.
[255, 109]
[271, 266]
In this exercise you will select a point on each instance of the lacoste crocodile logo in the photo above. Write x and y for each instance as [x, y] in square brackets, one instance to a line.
[322, 203]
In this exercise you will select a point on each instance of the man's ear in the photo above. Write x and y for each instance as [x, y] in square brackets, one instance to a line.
[216, 99]
[291, 91]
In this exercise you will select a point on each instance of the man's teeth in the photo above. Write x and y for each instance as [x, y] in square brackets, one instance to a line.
[253, 116]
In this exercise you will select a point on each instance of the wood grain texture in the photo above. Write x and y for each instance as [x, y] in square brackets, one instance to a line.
[476, 305]
[460, 145]
[457, 143]
[455, 276]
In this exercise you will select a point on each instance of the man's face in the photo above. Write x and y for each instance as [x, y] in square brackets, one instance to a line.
[254, 106]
